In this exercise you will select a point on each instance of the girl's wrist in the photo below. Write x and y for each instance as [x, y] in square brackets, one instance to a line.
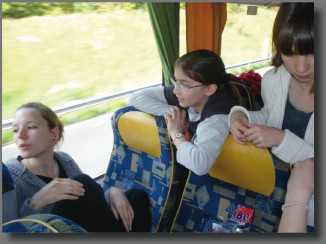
[297, 197]
[295, 204]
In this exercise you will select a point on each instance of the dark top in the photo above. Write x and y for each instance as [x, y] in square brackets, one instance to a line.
[295, 120]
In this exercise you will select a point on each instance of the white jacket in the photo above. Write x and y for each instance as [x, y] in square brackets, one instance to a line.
[275, 86]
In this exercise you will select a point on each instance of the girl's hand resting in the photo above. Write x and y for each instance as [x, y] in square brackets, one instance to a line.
[121, 207]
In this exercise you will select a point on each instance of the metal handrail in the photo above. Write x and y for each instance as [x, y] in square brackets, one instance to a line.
[239, 65]
[96, 100]
[85, 103]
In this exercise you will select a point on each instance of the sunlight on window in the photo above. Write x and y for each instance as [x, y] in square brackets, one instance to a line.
[244, 39]
[74, 51]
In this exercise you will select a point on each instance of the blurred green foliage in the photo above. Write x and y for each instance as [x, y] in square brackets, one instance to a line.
[26, 9]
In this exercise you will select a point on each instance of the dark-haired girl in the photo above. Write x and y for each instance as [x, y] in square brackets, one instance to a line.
[197, 105]
[286, 122]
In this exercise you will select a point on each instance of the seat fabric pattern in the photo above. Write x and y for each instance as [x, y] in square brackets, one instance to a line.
[42, 223]
[208, 201]
[158, 176]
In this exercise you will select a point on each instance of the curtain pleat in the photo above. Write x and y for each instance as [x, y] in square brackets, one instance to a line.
[165, 24]
[205, 23]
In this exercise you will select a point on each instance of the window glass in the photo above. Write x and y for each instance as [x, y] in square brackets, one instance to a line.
[247, 37]
[61, 52]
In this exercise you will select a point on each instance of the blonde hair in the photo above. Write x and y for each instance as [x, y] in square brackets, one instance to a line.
[49, 115]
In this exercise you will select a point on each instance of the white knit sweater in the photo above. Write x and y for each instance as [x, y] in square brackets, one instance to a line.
[275, 86]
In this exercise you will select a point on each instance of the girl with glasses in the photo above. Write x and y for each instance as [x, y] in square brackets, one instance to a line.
[197, 104]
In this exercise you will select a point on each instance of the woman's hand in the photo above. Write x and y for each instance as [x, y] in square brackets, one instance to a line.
[264, 136]
[177, 122]
[121, 207]
[58, 189]
[238, 126]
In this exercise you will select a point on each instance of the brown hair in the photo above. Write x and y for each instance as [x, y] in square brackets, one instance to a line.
[207, 67]
[293, 31]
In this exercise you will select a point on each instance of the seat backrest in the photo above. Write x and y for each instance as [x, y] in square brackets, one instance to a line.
[245, 186]
[9, 200]
[246, 166]
[142, 157]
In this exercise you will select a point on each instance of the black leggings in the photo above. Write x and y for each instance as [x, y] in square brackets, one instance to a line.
[93, 213]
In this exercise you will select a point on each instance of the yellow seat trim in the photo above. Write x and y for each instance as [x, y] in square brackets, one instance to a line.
[139, 131]
[246, 166]
[32, 221]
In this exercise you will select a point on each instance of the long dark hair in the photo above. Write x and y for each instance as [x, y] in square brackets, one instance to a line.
[207, 67]
[293, 31]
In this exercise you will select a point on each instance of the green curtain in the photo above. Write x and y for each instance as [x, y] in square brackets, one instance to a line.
[165, 23]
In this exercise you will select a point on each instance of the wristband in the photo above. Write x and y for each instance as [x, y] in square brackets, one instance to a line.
[295, 204]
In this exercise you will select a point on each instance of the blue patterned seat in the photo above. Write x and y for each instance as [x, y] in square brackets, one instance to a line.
[239, 194]
[38, 223]
[142, 157]
[42, 223]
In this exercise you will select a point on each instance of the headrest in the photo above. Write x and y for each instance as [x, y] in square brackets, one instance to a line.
[138, 130]
[246, 166]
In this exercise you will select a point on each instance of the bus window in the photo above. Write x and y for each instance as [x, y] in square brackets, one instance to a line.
[247, 36]
[61, 52]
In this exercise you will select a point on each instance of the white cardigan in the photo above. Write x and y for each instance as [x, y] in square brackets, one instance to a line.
[275, 86]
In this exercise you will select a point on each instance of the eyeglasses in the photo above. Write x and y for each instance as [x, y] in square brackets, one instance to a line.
[181, 85]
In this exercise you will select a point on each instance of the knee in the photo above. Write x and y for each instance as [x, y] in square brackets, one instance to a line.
[88, 182]
[138, 195]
